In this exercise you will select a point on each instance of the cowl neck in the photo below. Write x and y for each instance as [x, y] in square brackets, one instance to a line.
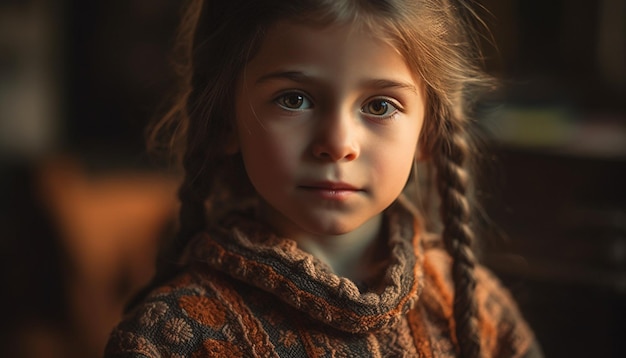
[247, 250]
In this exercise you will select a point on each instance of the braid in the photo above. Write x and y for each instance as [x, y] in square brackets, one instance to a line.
[196, 161]
[199, 126]
[452, 183]
[192, 213]
[192, 195]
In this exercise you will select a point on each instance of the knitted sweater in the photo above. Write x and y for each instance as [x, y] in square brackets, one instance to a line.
[249, 293]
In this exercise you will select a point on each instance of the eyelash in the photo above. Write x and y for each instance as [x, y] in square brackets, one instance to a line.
[395, 108]
[304, 99]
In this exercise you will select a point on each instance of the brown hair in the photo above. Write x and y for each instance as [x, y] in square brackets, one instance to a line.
[438, 41]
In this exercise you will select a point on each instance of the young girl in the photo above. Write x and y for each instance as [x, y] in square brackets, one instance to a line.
[302, 123]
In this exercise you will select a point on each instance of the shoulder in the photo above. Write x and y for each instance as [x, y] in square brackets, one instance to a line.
[503, 330]
[501, 322]
[187, 316]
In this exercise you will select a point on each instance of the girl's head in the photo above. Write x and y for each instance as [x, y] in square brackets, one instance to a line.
[218, 39]
[327, 123]
[386, 80]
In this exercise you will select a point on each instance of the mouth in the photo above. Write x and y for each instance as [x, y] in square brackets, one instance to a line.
[328, 185]
[331, 190]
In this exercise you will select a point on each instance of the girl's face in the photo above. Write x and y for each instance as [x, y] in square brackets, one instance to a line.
[328, 121]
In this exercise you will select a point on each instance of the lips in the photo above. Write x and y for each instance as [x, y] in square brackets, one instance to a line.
[327, 190]
[328, 185]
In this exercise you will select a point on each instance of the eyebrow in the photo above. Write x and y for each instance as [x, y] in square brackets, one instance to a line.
[295, 76]
[384, 84]
[298, 76]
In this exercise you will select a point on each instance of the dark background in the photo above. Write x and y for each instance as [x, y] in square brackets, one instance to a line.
[561, 170]
[554, 188]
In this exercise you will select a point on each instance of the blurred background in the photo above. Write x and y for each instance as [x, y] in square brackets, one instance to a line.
[83, 207]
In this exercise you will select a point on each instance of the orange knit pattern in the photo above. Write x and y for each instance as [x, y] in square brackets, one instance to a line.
[247, 293]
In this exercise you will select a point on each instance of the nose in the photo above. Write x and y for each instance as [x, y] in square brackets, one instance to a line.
[336, 138]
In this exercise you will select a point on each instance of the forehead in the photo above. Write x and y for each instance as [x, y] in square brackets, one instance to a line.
[333, 51]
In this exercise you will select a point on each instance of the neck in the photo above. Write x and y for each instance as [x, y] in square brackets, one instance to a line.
[349, 255]
[352, 255]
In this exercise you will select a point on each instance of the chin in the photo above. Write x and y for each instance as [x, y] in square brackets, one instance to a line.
[331, 228]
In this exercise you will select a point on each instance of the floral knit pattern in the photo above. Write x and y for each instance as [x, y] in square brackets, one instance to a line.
[248, 293]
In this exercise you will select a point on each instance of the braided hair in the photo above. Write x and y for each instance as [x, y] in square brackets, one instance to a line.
[217, 39]
[452, 185]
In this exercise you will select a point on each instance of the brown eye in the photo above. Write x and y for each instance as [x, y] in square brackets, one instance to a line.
[377, 107]
[293, 101]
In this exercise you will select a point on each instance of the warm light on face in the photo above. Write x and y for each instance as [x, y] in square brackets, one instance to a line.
[328, 121]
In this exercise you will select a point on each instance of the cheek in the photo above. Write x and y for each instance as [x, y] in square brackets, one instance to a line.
[394, 164]
[267, 156]
[274, 159]
[393, 168]
[270, 143]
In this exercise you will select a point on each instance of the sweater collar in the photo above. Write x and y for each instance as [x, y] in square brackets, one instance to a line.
[247, 251]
